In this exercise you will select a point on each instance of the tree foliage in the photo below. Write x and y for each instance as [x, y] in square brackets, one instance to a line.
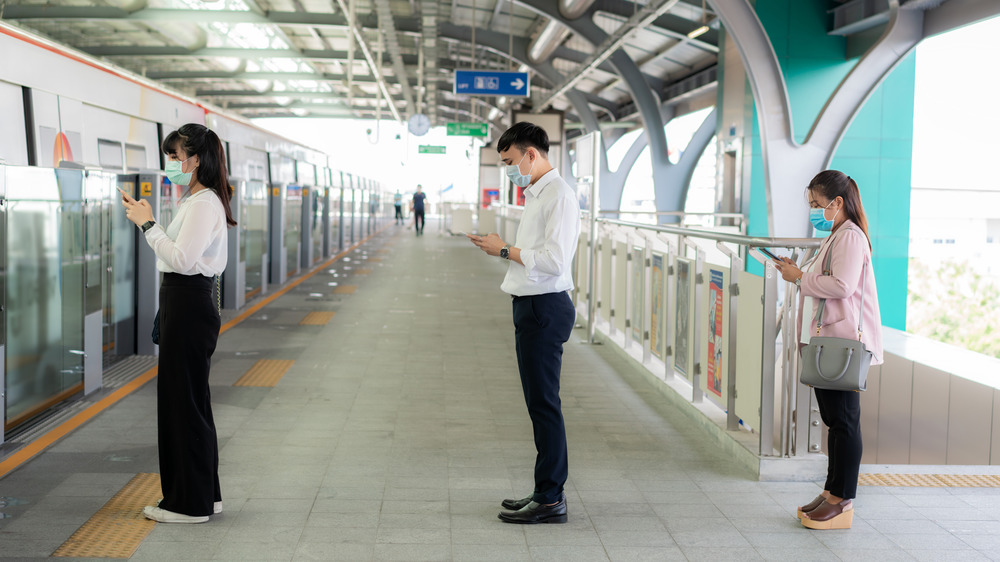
[950, 302]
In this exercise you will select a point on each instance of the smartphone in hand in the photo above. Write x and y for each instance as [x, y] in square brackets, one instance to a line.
[769, 254]
[125, 196]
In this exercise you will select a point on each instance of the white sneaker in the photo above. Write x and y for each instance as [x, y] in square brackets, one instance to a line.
[164, 516]
[216, 507]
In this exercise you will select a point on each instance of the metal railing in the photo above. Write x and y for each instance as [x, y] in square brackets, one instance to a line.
[609, 282]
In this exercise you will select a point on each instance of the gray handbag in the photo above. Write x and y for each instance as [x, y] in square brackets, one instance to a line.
[836, 363]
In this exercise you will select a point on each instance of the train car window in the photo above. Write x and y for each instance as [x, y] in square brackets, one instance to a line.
[135, 157]
[109, 155]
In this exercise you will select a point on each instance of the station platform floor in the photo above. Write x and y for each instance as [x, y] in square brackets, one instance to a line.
[398, 425]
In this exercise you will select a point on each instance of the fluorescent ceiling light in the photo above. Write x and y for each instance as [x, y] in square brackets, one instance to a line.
[698, 32]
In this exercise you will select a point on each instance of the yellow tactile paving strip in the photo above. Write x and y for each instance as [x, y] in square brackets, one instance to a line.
[317, 318]
[363, 271]
[345, 289]
[118, 528]
[265, 372]
[931, 480]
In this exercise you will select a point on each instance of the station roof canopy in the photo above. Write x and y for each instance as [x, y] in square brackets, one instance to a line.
[392, 58]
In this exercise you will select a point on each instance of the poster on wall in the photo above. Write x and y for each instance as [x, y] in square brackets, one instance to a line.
[638, 272]
[656, 307]
[715, 333]
[682, 339]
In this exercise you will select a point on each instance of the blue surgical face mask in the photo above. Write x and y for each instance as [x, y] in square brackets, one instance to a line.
[174, 173]
[818, 218]
[515, 175]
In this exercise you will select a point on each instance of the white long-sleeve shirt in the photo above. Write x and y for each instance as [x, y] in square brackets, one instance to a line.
[547, 237]
[196, 242]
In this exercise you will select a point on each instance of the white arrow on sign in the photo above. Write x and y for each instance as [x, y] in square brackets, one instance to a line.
[518, 84]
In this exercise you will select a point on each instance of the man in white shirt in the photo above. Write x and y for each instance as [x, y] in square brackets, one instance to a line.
[538, 278]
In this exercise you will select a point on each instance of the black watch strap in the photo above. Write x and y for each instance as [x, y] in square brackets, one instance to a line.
[146, 226]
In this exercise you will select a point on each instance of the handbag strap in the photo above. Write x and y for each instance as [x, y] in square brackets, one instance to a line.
[822, 302]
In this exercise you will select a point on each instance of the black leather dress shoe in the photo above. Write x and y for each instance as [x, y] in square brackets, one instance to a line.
[535, 512]
[514, 505]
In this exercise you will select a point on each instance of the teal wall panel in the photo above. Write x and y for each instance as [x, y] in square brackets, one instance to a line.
[876, 150]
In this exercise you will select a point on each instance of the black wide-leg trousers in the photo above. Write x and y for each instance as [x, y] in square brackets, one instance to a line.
[542, 324]
[188, 443]
[841, 412]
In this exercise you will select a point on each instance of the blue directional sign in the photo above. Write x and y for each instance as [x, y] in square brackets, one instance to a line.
[490, 83]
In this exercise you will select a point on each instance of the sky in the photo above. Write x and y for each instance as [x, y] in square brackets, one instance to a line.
[956, 116]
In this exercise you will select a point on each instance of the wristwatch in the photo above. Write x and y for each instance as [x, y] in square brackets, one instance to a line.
[798, 282]
[146, 226]
[505, 252]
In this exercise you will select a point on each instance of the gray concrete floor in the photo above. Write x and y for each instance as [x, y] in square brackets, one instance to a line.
[401, 426]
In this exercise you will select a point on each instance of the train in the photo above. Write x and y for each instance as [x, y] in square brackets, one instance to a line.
[78, 287]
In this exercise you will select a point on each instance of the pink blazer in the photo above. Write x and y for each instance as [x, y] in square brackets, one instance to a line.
[842, 290]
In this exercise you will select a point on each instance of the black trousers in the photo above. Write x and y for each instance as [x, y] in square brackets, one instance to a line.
[418, 219]
[399, 213]
[841, 412]
[542, 324]
[188, 444]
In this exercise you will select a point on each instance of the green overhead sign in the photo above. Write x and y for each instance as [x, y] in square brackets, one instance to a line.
[430, 149]
[468, 129]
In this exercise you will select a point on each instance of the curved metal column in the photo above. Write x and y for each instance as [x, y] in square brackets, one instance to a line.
[668, 197]
[788, 166]
[613, 183]
[682, 172]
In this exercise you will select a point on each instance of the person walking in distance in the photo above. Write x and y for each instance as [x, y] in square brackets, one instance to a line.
[538, 279]
[418, 210]
[397, 202]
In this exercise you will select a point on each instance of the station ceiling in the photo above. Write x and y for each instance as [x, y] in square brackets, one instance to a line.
[388, 58]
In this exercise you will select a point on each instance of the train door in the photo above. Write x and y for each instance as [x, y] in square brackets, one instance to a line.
[119, 285]
[254, 224]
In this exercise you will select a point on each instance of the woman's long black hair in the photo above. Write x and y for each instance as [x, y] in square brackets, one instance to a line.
[832, 184]
[199, 139]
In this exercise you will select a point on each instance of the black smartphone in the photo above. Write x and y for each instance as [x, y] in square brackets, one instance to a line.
[769, 254]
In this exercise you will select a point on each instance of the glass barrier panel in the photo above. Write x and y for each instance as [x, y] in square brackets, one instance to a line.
[44, 289]
[293, 228]
[316, 218]
[120, 289]
[255, 222]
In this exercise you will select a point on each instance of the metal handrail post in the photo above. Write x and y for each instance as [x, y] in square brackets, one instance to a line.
[699, 263]
[735, 267]
[767, 360]
[592, 266]
[669, 304]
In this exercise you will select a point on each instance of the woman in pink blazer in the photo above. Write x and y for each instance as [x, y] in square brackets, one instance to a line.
[835, 195]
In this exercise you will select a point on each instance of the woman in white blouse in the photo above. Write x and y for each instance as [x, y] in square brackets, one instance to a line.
[190, 252]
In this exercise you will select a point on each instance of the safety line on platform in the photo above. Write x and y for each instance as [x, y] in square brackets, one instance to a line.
[39, 445]
[265, 372]
[317, 318]
[119, 527]
[931, 480]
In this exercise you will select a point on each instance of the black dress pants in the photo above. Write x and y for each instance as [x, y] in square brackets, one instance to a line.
[418, 219]
[841, 412]
[399, 214]
[542, 324]
[188, 444]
